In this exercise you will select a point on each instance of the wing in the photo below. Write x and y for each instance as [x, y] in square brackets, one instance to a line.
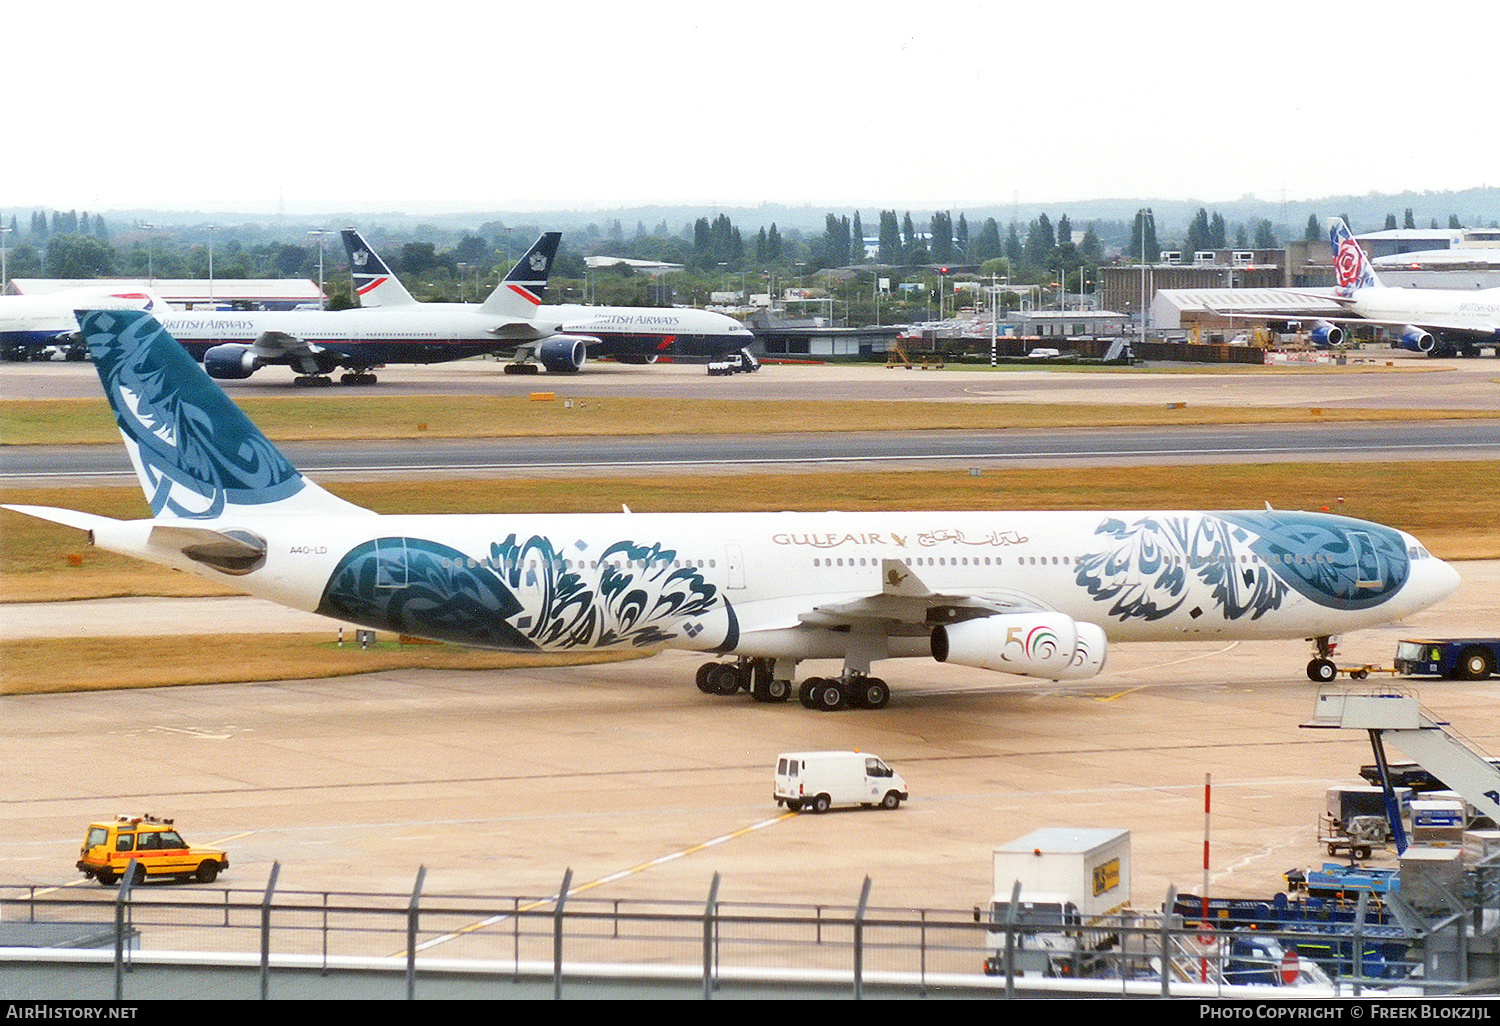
[905, 606]
[275, 346]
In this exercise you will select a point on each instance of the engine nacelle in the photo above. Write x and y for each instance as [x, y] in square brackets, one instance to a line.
[1326, 336]
[1050, 645]
[230, 361]
[562, 354]
[1417, 340]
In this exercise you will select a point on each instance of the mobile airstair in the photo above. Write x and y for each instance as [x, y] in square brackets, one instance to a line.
[1399, 719]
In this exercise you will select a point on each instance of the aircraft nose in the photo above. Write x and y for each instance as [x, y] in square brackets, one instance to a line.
[1434, 580]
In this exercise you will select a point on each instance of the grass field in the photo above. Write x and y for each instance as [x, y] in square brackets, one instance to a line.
[75, 421]
[47, 665]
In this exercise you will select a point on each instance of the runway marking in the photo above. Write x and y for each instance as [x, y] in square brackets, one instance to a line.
[1386, 450]
[612, 878]
[192, 732]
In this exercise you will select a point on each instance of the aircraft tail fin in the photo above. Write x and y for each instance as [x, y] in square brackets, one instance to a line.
[1350, 264]
[524, 288]
[374, 283]
[196, 453]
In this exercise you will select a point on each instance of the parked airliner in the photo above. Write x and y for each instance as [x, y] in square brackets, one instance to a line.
[234, 344]
[315, 343]
[569, 333]
[1037, 594]
[1439, 322]
[30, 322]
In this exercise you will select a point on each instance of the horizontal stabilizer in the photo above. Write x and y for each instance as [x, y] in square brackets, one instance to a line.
[66, 517]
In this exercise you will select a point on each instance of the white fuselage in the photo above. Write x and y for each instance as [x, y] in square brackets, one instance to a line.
[26, 319]
[431, 332]
[775, 584]
[1476, 312]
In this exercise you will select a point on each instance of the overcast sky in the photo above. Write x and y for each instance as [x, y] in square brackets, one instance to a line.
[318, 106]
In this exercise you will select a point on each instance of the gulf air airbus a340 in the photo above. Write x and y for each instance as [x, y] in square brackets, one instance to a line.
[1040, 594]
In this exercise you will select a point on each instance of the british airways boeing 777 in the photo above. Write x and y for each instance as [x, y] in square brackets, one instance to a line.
[1030, 593]
[315, 343]
[565, 335]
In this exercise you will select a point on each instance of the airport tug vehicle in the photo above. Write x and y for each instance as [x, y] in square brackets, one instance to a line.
[155, 845]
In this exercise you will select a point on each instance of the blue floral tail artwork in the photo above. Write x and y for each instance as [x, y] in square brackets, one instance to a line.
[195, 452]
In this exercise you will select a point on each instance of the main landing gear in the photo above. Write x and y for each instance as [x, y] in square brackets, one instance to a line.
[770, 680]
[522, 368]
[756, 676]
[323, 380]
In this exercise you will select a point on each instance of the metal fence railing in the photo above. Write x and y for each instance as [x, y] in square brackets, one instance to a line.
[1344, 947]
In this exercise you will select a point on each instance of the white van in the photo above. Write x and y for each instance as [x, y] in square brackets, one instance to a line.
[818, 780]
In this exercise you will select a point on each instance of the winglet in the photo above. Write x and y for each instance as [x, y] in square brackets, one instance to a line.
[524, 288]
[896, 578]
[196, 453]
[374, 283]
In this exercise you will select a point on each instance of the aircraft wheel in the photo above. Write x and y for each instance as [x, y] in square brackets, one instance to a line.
[702, 678]
[805, 692]
[725, 679]
[778, 690]
[1322, 671]
[873, 693]
[830, 696]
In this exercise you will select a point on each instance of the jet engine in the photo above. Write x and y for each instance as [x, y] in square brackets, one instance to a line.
[1417, 340]
[1327, 336]
[1050, 645]
[563, 354]
[230, 361]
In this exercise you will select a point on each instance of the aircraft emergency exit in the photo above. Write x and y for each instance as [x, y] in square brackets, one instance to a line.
[1039, 594]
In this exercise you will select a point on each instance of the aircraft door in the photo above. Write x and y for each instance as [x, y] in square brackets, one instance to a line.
[1368, 570]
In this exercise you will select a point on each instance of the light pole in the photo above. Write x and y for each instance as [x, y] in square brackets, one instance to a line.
[1144, 217]
[211, 229]
[4, 263]
[150, 253]
[322, 296]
